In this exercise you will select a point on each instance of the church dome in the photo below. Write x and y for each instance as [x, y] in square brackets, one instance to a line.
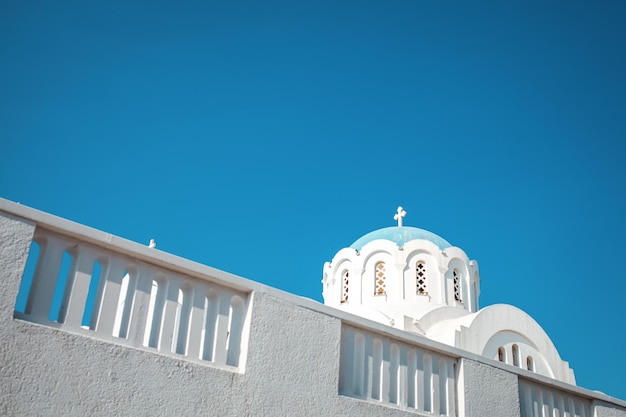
[400, 235]
[401, 273]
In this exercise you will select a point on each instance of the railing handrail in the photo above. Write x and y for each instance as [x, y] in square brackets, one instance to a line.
[194, 269]
[127, 247]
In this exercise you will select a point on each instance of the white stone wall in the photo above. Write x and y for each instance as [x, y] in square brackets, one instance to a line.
[293, 355]
[487, 391]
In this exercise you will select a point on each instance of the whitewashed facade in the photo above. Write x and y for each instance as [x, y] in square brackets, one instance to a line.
[414, 280]
[131, 330]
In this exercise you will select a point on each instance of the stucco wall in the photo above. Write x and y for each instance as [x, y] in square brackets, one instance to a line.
[292, 370]
[608, 410]
[487, 391]
[15, 237]
[292, 367]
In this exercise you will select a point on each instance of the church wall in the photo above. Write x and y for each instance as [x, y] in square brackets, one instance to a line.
[603, 409]
[537, 398]
[487, 391]
[46, 371]
[292, 363]
[50, 372]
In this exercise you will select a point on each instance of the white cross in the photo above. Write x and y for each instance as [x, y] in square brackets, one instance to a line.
[401, 213]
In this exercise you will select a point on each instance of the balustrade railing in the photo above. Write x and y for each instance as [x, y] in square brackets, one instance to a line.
[378, 368]
[538, 400]
[90, 289]
[86, 282]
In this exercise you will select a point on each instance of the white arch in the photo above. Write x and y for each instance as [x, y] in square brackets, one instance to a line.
[502, 323]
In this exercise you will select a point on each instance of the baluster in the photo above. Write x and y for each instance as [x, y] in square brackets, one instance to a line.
[560, 405]
[77, 288]
[412, 378]
[184, 319]
[110, 299]
[428, 383]
[359, 365]
[194, 348]
[394, 374]
[421, 376]
[540, 403]
[451, 392]
[348, 355]
[168, 327]
[238, 315]
[403, 382]
[156, 320]
[368, 366]
[377, 366]
[45, 279]
[385, 374]
[582, 408]
[221, 331]
[211, 315]
[137, 327]
[436, 385]
[527, 399]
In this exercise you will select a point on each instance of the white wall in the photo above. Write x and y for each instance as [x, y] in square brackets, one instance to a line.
[293, 355]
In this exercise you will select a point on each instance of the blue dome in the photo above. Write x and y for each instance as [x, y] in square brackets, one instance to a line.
[400, 235]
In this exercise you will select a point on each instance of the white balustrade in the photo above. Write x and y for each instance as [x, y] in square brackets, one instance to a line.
[538, 400]
[378, 368]
[132, 302]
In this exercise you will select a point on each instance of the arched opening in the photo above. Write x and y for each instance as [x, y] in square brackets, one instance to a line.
[90, 302]
[125, 303]
[515, 353]
[420, 278]
[394, 374]
[59, 290]
[344, 286]
[501, 354]
[358, 364]
[530, 364]
[428, 383]
[156, 309]
[456, 279]
[235, 329]
[185, 295]
[377, 370]
[212, 303]
[27, 277]
[380, 279]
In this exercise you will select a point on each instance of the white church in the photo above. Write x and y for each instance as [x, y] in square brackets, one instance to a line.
[416, 281]
[401, 333]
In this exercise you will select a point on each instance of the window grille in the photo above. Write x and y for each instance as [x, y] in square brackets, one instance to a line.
[344, 288]
[501, 354]
[515, 352]
[420, 276]
[381, 279]
[457, 285]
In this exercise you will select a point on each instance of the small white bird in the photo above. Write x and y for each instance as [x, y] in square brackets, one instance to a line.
[152, 244]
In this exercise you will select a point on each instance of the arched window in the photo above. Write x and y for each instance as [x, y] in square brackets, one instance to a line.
[344, 288]
[530, 364]
[380, 278]
[515, 352]
[501, 354]
[420, 277]
[456, 278]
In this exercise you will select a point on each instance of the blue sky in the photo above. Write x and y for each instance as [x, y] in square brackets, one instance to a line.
[260, 138]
